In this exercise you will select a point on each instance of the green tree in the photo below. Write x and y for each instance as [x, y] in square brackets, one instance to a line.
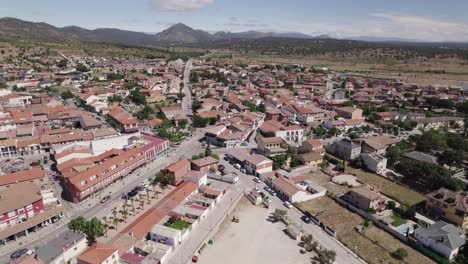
[94, 228]
[114, 98]
[82, 68]
[400, 253]
[78, 224]
[208, 151]
[66, 95]
[279, 214]
[137, 97]
[327, 256]
[62, 63]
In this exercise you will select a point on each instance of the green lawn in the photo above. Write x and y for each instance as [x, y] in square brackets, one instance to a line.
[391, 189]
[398, 221]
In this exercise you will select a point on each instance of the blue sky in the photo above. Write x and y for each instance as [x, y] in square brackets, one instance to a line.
[431, 20]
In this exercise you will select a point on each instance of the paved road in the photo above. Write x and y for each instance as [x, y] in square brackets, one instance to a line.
[187, 100]
[92, 207]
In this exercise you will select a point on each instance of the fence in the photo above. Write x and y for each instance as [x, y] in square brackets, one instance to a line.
[376, 221]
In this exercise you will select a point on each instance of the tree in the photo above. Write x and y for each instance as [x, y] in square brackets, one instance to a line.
[208, 151]
[78, 224]
[62, 63]
[115, 221]
[182, 123]
[327, 256]
[279, 214]
[82, 68]
[137, 97]
[114, 98]
[391, 205]
[199, 121]
[94, 228]
[400, 253]
[66, 95]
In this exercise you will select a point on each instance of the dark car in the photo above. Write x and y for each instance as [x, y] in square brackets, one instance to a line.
[19, 253]
[221, 167]
[305, 219]
[105, 198]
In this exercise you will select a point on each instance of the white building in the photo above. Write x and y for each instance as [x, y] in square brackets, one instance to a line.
[166, 235]
[443, 238]
[374, 162]
[296, 193]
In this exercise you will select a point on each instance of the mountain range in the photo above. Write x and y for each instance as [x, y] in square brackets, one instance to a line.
[176, 34]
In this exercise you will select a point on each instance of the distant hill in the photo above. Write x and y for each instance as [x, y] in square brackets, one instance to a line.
[183, 35]
[180, 33]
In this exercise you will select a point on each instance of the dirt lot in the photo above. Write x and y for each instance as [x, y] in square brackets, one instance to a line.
[253, 240]
[387, 187]
[332, 214]
[374, 245]
[324, 180]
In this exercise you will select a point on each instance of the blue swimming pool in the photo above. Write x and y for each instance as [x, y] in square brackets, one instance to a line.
[402, 229]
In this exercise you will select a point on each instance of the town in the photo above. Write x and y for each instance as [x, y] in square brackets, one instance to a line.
[114, 159]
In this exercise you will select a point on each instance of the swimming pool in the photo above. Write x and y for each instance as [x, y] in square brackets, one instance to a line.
[402, 229]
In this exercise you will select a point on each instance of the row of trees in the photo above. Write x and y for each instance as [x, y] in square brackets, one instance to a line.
[93, 228]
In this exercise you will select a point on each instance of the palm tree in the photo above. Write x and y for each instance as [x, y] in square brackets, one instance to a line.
[147, 195]
[153, 186]
[104, 218]
[124, 216]
[114, 211]
[142, 204]
[116, 222]
[132, 200]
[106, 228]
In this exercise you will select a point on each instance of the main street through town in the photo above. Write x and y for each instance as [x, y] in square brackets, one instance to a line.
[187, 100]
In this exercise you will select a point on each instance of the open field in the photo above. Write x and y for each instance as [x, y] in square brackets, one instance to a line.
[387, 187]
[376, 246]
[416, 70]
[253, 240]
[332, 214]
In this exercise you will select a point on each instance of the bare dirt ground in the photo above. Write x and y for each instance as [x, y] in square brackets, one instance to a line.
[253, 240]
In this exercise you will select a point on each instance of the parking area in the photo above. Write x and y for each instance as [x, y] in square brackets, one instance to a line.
[253, 240]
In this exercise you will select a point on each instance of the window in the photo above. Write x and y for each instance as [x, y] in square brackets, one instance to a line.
[21, 211]
[11, 214]
[29, 207]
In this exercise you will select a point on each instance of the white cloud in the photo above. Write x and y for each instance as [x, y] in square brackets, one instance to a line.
[180, 5]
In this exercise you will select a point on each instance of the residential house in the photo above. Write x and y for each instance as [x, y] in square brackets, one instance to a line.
[99, 253]
[311, 159]
[63, 248]
[349, 112]
[166, 235]
[374, 162]
[294, 193]
[312, 145]
[365, 197]
[345, 149]
[270, 146]
[177, 170]
[420, 156]
[448, 205]
[205, 164]
[290, 134]
[257, 164]
[442, 237]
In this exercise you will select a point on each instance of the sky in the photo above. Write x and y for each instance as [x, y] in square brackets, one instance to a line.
[426, 20]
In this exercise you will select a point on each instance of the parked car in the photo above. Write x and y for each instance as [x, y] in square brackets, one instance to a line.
[144, 184]
[287, 204]
[242, 170]
[262, 194]
[305, 219]
[105, 198]
[272, 192]
[221, 167]
[267, 189]
[257, 180]
[21, 252]
[237, 166]
[267, 199]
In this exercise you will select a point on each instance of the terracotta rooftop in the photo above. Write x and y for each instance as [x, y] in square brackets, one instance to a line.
[97, 253]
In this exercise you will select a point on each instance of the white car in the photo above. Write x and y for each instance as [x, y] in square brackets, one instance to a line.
[257, 180]
[287, 204]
